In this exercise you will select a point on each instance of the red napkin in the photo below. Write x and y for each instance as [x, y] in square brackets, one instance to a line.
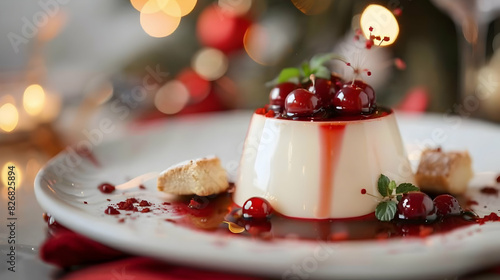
[70, 250]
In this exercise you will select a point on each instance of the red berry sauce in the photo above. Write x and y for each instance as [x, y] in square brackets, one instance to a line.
[489, 191]
[219, 211]
[111, 211]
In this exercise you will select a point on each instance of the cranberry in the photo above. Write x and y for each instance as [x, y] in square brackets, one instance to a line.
[369, 91]
[337, 82]
[278, 95]
[447, 205]
[352, 100]
[106, 188]
[256, 208]
[323, 89]
[415, 206]
[301, 102]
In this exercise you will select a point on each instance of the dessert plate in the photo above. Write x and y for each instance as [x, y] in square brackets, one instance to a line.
[67, 189]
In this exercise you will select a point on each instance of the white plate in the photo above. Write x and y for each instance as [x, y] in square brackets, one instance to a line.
[62, 194]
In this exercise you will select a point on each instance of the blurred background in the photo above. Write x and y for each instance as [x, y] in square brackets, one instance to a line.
[73, 70]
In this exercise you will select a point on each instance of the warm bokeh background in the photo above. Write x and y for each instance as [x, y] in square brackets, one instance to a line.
[65, 64]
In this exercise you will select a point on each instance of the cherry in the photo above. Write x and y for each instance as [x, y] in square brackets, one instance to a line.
[256, 208]
[369, 91]
[352, 100]
[323, 89]
[337, 82]
[301, 102]
[447, 205]
[278, 95]
[416, 206]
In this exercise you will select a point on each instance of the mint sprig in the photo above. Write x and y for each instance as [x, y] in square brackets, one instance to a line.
[315, 67]
[391, 194]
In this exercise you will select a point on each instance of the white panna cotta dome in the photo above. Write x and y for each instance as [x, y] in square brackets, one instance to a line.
[317, 169]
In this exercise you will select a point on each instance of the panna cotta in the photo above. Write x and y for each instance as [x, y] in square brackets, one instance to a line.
[317, 169]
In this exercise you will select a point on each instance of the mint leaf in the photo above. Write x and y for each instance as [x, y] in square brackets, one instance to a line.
[320, 59]
[406, 187]
[322, 72]
[386, 210]
[290, 74]
[392, 186]
[306, 70]
[383, 185]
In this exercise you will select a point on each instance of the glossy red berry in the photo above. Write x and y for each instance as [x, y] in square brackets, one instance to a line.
[415, 206]
[301, 102]
[337, 82]
[256, 208]
[323, 89]
[106, 188]
[446, 205]
[278, 95]
[369, 91]
[351, 100]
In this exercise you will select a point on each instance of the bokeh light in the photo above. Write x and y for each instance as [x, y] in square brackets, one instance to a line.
[312, 7]
[160, 19]
[222, 30]
[171, 98]
[383, 22]
[238, 7]
[255, 43]
[186, 6]
[198, 87]
[210, 63]
[51, 109]
[138, 4]
[9, 117]
[34, 99]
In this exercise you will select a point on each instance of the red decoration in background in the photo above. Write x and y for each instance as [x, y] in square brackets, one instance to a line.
[416, 100]
[198, 87]
[210, 104]
[221, 29]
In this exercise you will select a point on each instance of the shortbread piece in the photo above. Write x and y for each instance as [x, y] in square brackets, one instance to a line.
[442, 172]
[201, 177]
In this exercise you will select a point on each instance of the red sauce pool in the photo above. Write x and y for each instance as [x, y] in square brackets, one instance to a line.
[219, 212]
